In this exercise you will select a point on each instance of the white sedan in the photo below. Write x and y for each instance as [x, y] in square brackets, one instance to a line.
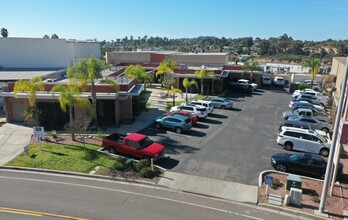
[220, 102]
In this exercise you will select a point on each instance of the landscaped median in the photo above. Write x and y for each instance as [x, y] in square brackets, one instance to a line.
[83, 158]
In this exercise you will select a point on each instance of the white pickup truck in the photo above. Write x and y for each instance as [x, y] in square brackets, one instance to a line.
[245, 81]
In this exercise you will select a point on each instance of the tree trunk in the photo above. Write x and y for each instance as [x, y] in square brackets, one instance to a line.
[201, 86]
[36, 114]
[173, 98]
[186, 95]
[251, 76]
[94, 102]
[212, 86]
[72, 125]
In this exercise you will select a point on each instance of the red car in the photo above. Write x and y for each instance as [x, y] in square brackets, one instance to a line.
[191, 116]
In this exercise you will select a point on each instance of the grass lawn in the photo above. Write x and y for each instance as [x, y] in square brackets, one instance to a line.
[199, 96]
[64, 157]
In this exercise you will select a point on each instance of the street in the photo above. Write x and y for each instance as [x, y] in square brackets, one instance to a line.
[43, 196]
[233, 145]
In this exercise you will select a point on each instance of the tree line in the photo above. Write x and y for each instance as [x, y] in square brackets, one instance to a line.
[282, 47]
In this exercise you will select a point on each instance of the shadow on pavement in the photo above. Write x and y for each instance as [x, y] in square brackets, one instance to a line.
[200, 125]
[213, 115]
[194, 133]
[236, 109]
[211, 121]
[174, 147]
[167, 163]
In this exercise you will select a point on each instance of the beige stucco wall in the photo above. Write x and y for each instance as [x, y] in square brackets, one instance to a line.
[338, 69]
[128, 57]
[199, 59]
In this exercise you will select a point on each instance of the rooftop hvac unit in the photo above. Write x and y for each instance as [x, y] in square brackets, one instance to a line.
[295, 196]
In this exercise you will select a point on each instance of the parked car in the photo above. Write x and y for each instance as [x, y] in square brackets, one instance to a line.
[220, 102]
[304, 104]
[299, 92]
[246, 81]
[190, 115]
[266, 81]
[313, 122]
[245, 88]
[321, 116]
[134, 144]
[278, 81]
[302, 163]
[303, 140]
[204, 103]
[178, 123]
[309, 95]
[201, 112]
[311, 101]
[307, 127]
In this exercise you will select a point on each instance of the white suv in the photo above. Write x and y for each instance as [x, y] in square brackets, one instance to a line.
[204, 103]
[200, 111]
[303, 140]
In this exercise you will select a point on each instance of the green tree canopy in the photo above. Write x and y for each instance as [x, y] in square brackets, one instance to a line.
[187, 84]
[202, 74]
[313, 64]
[87, 72]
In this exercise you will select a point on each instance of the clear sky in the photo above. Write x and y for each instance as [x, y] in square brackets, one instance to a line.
[111, 19]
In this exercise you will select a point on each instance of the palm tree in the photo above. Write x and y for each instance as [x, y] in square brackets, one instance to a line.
[187, 84]
[88, 72]
[173, 91]
[202, 74]
[69, 96]
[138, 72]
[251, 66]
[31, 87]
[166, 66]
[313, 64]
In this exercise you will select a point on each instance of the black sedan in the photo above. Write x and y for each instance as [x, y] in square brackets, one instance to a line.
[306, 164]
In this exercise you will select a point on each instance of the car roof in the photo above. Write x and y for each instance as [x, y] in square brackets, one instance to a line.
[312, 156]
[136, 136]
[202, 101]
[182, 117]
[301, 116]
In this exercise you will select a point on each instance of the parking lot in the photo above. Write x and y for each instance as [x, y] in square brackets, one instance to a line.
[232, 145]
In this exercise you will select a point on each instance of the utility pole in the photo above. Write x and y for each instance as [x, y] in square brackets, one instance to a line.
[329, 166]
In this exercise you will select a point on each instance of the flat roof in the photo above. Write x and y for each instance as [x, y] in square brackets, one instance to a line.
[13, 75]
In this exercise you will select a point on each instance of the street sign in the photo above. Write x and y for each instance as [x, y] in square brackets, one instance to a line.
[269, 180]
[39, 131]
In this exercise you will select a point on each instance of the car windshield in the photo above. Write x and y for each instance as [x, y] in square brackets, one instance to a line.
[294, 157]
[322, 138]
[144, 143]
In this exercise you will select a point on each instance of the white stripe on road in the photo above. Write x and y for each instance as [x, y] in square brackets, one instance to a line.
[267, 158]
[133, 193]
[275, 149]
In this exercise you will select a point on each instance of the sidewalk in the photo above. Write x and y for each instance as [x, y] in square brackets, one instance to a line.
[13, 138]
[210, 187]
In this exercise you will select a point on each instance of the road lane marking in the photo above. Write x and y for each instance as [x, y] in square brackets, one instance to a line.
[133, 193]
[267, 158]
[35, 213]
[275, 149]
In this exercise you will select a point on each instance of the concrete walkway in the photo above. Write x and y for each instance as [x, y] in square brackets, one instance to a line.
[210, 187]
[13, 138]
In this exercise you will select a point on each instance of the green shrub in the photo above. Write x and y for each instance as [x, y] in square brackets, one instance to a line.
[118, 166]
[276, 183]
[100, 133]
[141, 164]
[147, 172]
[303, 86]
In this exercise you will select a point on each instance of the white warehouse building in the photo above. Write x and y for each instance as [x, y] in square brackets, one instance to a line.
[41, 53]
[280, 68]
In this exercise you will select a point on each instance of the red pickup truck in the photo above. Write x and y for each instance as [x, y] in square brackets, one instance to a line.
[134, 144]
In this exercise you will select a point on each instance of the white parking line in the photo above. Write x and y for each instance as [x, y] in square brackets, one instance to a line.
[275, 149]
[267, 158]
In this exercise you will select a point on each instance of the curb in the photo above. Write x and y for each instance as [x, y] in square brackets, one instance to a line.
[275, 171]
[131, 181]
[289, 212]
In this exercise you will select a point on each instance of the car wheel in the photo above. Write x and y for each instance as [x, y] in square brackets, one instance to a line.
[326, 130]
[324, 152]
[111, 150]
[223, 107]
[288, 146]
[178, 130]
[281, 167]
[322, 176]
[157, 125]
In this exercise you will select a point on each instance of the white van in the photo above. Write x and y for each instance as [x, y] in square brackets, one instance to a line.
[278, 81]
